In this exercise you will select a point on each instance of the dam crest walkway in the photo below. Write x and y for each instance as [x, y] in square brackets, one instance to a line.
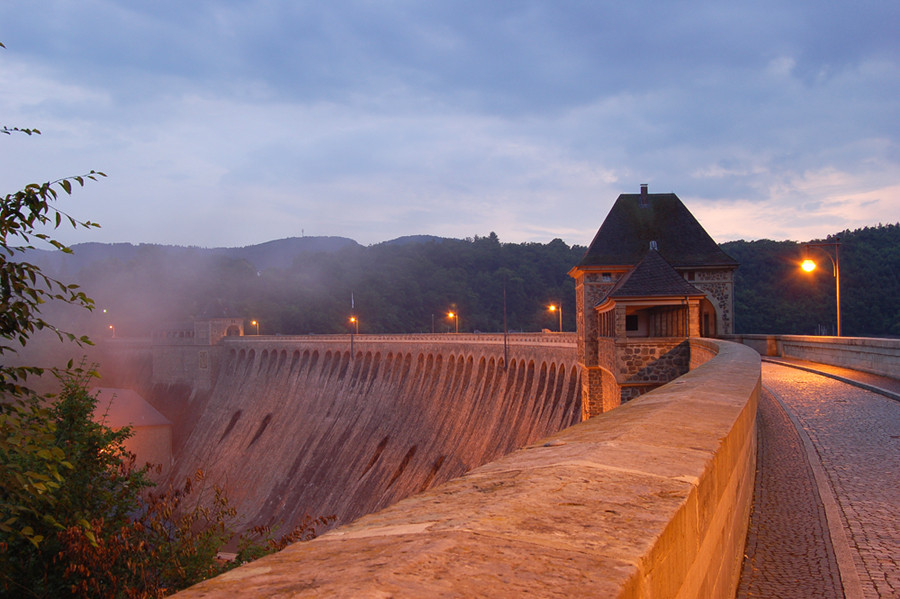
[824, 518]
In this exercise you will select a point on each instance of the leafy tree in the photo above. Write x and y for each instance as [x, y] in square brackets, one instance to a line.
[33, 468]
[173, 543]
[104, 535]
[76, 518]
[99, 479]
[772, 295]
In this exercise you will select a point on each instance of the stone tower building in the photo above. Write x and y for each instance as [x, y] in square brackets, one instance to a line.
[651, 278]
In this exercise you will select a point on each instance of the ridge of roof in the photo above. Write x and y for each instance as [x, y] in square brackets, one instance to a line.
[637, 219]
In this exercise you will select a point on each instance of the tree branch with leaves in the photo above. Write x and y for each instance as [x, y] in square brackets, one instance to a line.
[32, 466]
[25, 216]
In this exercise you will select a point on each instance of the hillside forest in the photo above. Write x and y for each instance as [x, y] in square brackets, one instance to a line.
[409, 285]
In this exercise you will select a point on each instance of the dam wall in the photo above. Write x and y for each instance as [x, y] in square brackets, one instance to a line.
[877, 356]
[651, 499]
[334, 425]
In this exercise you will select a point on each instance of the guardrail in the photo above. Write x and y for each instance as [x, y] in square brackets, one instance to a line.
[651, 499]
[877, 356]
[556, 339]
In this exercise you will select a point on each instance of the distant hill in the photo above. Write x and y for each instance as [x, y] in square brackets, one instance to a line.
[282, 252]
[413, 239]
[305, 285]
[279, 253]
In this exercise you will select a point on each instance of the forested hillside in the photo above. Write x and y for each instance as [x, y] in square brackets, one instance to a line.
[410, 284]
[772, 294]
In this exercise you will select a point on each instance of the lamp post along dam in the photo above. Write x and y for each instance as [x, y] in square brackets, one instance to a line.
[614, 461]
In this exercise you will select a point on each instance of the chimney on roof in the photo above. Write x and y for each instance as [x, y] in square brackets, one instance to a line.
[644, 199]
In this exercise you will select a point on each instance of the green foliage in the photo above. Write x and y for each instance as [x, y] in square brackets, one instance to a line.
[96, 531]
[175, 542]
[32, 470]
[24, 287]
[96, 479]
[34, 466]
[397, 288]
[772, 294]
[74, 520]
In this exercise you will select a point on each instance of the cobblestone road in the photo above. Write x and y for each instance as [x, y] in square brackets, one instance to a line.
[805, 529]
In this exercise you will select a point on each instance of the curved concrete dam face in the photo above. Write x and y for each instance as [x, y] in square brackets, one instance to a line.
[301, 425]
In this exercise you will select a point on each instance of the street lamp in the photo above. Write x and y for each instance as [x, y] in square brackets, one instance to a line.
[255, 323]
[354, 322]
[809, 265]
[455, 316]
[113, 329]
[555, 308]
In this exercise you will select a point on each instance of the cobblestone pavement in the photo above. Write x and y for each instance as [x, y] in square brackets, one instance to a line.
[789, 551]
[854, 441]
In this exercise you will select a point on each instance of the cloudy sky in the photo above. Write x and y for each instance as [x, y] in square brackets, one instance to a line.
[229, 123]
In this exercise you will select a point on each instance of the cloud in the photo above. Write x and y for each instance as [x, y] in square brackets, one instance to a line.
[230, 123]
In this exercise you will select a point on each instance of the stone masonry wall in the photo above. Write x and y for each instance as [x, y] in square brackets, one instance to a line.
[656, 361]
[878, 356]
[719, 288]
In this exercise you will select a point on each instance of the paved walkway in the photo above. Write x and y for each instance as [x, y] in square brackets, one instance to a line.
[825, 521]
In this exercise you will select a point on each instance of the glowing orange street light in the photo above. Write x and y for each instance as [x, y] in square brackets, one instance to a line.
[113, 329]
[255, 323]
[455, 316]
[809, 265]
[555, 308]
[355, 323]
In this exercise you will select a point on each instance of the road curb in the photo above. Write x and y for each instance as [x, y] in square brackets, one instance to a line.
[837, 377]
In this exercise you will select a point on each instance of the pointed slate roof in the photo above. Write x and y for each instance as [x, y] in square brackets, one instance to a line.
[652, 277]
[632, 224]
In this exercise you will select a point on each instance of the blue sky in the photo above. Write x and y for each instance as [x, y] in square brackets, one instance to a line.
[226, 123]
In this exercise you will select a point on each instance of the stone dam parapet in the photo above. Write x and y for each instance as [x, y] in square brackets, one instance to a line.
[876, 356]
[648, 500]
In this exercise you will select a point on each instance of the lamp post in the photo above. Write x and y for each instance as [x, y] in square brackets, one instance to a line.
[454, 316]
[555, 308]
[113, 329]
[255, 323]
[354, 324]
[809, 265]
